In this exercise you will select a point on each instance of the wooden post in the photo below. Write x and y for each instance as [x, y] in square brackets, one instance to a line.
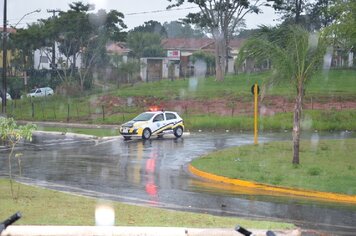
[68, 113]
[102, 106]
[33, 110]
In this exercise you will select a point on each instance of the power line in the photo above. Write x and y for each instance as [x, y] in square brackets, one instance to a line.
[158, 11]
[127, 14]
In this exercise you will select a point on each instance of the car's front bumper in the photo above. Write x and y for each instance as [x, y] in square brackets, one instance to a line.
[131, 132]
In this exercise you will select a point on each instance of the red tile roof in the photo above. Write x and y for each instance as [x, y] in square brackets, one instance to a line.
[9, 30]
[186, 44]
[195, 44]
[117, 47]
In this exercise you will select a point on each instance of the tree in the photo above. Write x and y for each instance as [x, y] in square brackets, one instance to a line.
[177, 29]
[207, 58]
[221, 17]
[145, 44]
[11, 134]
[312, 16]
[153, 27]
[344, 25]
[290, 9]
[84, 34]
[295, 55]
[320, 14]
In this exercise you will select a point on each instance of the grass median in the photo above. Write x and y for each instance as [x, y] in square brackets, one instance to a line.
[326, 165]
[46, 207]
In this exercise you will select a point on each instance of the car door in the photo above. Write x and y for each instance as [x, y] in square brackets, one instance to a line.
[158, 122]
[38, 93]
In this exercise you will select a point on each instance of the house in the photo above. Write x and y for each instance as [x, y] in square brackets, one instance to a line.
[119, 49]
[157, 68]
[42, 59]
[186, 48]
[183, 49]
[179, 61]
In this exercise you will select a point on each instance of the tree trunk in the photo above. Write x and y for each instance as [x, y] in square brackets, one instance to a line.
[219, 56]
[296, 123]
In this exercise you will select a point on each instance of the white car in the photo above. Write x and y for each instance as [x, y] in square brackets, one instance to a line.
[40, 92]
[8, 97]
[151, 123]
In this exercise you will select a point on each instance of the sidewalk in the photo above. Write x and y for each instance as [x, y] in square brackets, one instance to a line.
[130, 231]
[68, 125]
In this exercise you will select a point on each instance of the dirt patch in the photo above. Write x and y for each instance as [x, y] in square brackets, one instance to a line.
[239, 106]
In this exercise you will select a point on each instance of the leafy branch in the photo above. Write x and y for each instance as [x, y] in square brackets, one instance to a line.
[11, 135]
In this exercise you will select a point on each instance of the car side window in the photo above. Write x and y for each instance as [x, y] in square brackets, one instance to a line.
[170, 116]
[38, 91]
[159, 117]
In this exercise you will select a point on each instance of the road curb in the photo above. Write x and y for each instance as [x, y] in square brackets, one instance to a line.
[327, 196]
[129, 231]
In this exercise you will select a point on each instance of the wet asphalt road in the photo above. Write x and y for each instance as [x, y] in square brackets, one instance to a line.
[154, 173]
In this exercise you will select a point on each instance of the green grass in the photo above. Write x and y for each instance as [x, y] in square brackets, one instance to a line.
[331, 83]
[46, 207]
[325, 84]
[327, 165]
[336, 84]
[313, 120]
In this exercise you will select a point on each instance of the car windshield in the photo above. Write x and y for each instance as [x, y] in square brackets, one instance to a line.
[149, 104]
[143, 117]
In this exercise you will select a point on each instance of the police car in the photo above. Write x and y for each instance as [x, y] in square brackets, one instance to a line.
[153, 123]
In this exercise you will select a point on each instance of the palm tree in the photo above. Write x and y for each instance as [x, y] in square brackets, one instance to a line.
[295, 54]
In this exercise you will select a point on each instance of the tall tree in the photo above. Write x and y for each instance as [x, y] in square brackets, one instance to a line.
[320, 13]
[153, 27]
[177, 29]
[344, 25]
[290, 9]
[82, 33]
[295, 55]
[145, 44]
[220, 17]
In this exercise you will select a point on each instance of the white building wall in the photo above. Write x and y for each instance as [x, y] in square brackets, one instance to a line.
[351, 59]
[43, 58]
[143, 71]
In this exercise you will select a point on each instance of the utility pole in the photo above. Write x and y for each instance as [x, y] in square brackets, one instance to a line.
[53, 63]
[4, 58]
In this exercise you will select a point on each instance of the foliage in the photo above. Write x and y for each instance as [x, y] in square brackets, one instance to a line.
[290, 9]
[145, 44]
[343, 28]
[221, 18]
[128, 69]
[151, 26]
[77, 33]
[321, 14]
[208, 58]
[295, 55]
[11, 134]
[176, 29]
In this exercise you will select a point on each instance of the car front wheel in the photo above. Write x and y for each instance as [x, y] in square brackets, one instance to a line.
[178, 132]
[146, 134]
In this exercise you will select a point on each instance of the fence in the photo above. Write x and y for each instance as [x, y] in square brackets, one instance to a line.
[42, 109]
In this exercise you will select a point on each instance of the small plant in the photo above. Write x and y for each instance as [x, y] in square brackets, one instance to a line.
[10, 135]
[314, 171]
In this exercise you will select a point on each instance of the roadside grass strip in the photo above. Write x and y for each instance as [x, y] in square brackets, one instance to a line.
[274, 190]
[326, 170]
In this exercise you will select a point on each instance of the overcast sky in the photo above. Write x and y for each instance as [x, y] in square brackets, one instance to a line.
[136, 11]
